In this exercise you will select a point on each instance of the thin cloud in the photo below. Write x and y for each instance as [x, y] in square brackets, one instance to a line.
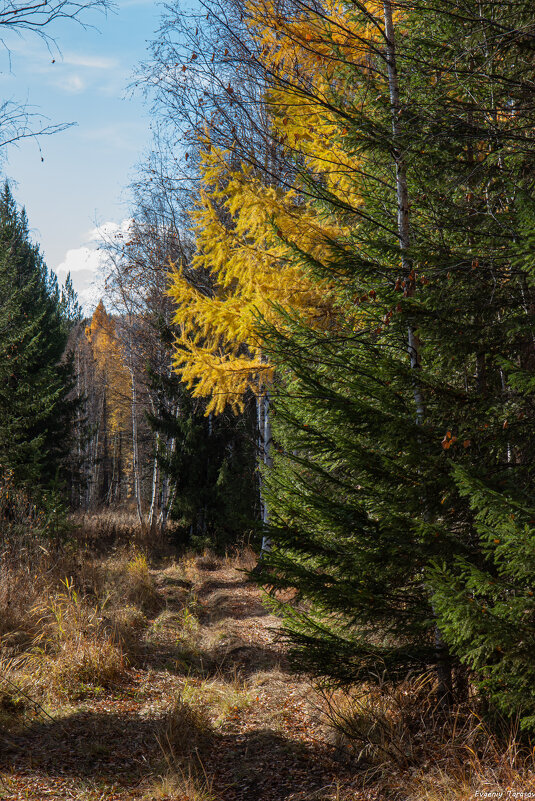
[72, 84]
[117, 136]
[90, 62]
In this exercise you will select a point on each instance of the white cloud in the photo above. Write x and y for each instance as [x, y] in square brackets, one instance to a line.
[86, 264]
[79, 260]
[109, 231]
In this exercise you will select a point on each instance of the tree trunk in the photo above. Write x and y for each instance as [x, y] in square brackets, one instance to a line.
[135, 452]
[105, 485]
[264, 451]
[444, 671]
[155, 489]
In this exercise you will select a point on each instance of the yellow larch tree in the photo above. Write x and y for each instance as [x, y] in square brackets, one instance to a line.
[251, 273]
[113, 405]
[111, 367]
[259, 237]
[262, 237]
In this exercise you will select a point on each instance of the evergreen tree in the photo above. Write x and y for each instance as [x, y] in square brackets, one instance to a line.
[35, 408]
[485, 602]
[377, 496]
[209, 461]
[70, 307]
[410, 134]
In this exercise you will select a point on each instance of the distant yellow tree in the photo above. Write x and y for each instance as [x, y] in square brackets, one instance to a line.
[111, 367]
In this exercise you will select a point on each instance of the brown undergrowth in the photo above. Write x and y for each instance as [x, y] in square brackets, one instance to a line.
[129, 676]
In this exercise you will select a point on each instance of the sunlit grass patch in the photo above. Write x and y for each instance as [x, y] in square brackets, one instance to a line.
[84, 668]
[128, 580]
[222, 699]
[407, 746]
[73, 651]
[181, 784]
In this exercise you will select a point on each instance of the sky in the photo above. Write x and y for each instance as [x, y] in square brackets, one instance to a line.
[73, 184]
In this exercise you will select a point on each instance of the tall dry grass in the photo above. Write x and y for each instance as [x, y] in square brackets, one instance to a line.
[71, 617]
[405, 746]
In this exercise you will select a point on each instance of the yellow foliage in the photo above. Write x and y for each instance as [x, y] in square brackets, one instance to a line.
[259, 243]
[253, 273]
[111, 367]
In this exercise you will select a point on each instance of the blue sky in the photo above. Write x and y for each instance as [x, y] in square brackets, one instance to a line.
[82, 183]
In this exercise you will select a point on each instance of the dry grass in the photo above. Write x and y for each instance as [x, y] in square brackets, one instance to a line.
[127, 579]
[17, 706]
[71, 618]
[180, 785]
[186, 729]
[108, 525]
[218, 698]
[182, 628]
[406, 747]
[208, 561]
[185, 733]
[74, 651]
[74, 621]
[244, 558]
[83, 669]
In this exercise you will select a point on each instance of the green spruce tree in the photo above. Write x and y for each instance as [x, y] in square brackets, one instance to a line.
[35, 408]
[209, 462]
[399, 457]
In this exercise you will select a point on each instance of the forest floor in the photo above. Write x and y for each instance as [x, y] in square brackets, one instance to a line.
[205, 709]
[174, 685]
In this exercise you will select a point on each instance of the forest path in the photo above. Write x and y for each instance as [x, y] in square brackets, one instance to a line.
[207, 712]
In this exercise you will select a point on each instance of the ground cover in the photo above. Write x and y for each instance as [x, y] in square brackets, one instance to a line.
[166, 680]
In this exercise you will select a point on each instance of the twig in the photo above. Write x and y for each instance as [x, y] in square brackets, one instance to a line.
[28, 697]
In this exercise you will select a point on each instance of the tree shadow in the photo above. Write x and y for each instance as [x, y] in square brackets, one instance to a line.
[124, 749]
[109, 746]
[266, 766]
[243, 659]
[235, 658]
[212, 585]
[227, 605]
[171, 581]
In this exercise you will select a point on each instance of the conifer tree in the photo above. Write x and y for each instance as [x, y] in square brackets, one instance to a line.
[70, 306]
[35, 408]
[398, 453]
[210, 463]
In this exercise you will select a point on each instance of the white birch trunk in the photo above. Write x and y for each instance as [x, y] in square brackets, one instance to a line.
[135, 452]
[164, 498]
[265, 454]
[168, 496]
[155, 492]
